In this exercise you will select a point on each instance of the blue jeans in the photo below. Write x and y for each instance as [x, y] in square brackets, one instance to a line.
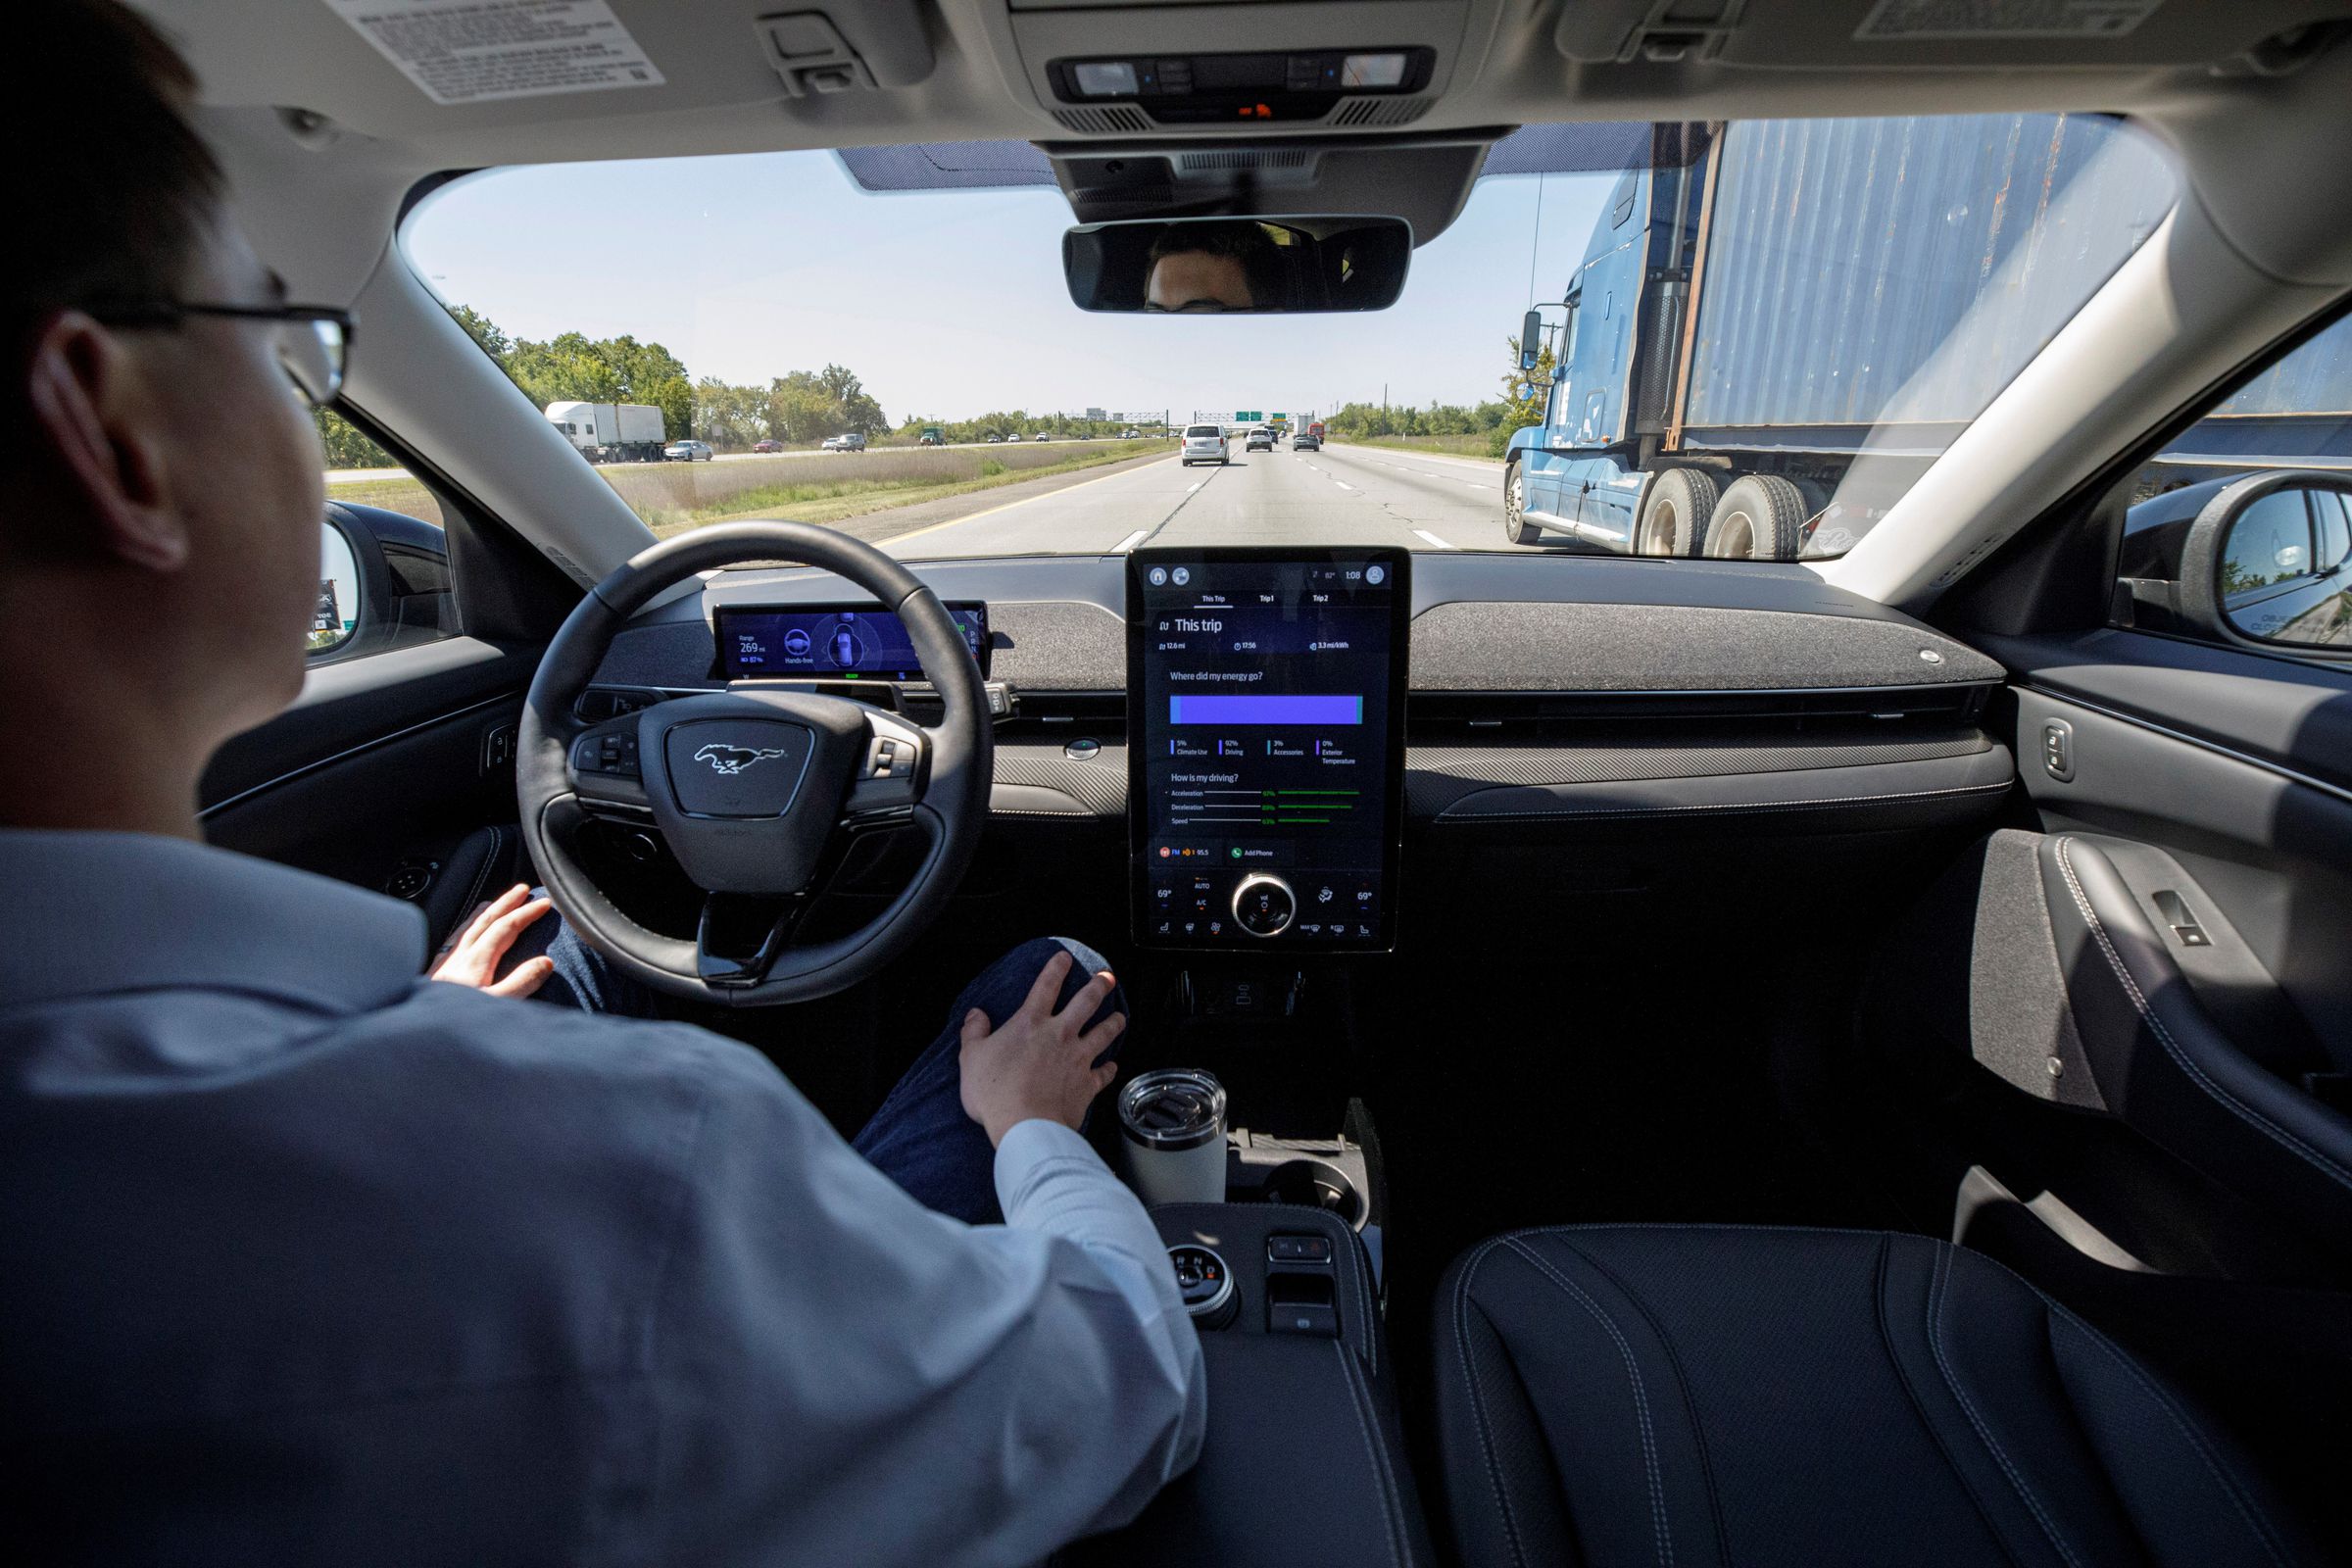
[921, 1139]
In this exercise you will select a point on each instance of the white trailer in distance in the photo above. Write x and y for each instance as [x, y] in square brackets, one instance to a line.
[610, 432]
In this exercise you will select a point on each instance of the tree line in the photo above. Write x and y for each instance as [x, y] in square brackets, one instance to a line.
[806, 406]
[797, 409]
[1521, 403]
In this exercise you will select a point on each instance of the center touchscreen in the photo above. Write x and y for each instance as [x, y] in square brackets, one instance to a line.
[1265, 696]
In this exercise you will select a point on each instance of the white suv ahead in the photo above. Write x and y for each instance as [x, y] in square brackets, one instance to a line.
[1204, 443]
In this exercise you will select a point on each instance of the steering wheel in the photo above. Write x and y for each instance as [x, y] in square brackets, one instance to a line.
[759, 794]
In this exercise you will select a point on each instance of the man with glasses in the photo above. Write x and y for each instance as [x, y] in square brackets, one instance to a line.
[304, 1256]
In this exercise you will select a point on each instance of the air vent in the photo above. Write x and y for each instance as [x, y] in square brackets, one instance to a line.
[1115, 119]
[1379, 111]
[1202, 163]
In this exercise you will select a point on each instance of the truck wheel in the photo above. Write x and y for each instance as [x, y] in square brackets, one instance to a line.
[1676, 514]
[1760, 518]
[1516, 529]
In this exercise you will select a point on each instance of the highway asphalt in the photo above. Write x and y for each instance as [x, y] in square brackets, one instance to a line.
[1340, 495]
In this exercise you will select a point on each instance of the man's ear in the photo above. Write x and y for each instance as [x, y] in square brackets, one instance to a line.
[91, 406]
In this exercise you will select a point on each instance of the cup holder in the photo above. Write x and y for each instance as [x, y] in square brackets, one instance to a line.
[1316, 1185]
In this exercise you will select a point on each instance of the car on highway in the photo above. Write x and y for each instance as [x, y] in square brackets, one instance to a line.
[768, 444]
[1719, 938]
[1131, 433]
[848, 441]
[688, 451]
[1204, 443]
[994, 439]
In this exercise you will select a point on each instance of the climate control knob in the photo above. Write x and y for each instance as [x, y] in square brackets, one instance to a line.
[1263, 905]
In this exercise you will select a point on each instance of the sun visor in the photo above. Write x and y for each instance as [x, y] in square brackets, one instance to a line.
[948, 166]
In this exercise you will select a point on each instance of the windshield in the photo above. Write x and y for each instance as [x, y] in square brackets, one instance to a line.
[1747, 346]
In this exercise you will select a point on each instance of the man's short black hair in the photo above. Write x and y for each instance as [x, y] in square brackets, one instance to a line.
[1245, 241]
[115, 198]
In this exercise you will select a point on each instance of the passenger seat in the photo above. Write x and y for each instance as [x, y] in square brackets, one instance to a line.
[1676, 1396]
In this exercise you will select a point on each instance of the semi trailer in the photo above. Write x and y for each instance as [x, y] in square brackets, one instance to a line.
[610, 432]
[1777, 325]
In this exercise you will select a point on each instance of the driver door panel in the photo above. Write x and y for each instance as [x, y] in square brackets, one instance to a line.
[382, 764]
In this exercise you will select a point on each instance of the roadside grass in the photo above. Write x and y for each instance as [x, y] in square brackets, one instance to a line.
[832, 501]
[392, 495]
[1481, 445]
[802, 487]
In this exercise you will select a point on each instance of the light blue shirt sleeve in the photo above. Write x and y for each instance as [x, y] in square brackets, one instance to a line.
[862, 1380]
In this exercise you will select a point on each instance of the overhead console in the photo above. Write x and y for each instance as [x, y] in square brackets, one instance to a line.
[1216, 90]
[1265, 703]
[1103, 70]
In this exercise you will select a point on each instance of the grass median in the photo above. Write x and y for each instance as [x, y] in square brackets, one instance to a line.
[672, 498]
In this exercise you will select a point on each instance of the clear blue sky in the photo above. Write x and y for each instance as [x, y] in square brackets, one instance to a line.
[952, 303]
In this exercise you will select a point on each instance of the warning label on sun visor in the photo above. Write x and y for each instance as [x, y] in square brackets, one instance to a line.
[473, 51]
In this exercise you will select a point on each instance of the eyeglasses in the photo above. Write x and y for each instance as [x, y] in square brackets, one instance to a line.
[313, 341]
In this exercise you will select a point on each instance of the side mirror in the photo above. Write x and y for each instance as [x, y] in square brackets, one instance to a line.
[1261, 266]
[337, 619]
[1530, 339]
[2265, 562]
[385, 583]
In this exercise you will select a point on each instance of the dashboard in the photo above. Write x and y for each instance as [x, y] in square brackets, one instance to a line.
[1531, 701]
[1265, 696]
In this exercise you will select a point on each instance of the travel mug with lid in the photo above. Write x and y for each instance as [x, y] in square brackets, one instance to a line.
[1174, 1121]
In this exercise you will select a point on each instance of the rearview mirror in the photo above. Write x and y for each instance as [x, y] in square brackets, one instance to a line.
[1261, 264]
[1530, 339]
[2266, 560]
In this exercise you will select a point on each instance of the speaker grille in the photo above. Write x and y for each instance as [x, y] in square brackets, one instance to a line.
[1115, 119]
[1379, 111]
[1198, 161]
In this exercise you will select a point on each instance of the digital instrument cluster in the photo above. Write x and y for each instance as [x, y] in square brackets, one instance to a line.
[830, 642]
[1265, 693]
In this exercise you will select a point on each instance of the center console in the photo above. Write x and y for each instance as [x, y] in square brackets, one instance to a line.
[1304, 1460]
[1266, 723]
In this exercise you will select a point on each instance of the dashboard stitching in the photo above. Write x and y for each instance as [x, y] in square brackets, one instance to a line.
[1454, 815]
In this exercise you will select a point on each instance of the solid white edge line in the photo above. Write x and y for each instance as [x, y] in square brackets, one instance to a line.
[1433, 538]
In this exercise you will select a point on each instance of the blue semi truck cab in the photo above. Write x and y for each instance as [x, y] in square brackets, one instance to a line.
[1583, 470]
[1777, 325]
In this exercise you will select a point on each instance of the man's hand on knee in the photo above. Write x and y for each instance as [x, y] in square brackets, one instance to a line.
[1040, 1063]
[472, 957]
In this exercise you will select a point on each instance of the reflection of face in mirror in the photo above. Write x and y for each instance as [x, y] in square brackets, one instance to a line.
[1195, 280]
[1213, 266]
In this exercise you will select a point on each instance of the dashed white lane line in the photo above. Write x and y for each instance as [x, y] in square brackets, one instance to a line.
[1475, 485]
[1195, 485]
[1131, 541]
[1342, 484]
[1433, 538]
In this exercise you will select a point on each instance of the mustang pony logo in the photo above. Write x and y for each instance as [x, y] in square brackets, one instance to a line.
[724, 759]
